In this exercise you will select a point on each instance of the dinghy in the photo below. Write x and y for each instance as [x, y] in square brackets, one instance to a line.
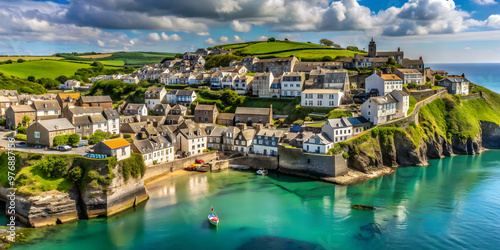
[212, 218]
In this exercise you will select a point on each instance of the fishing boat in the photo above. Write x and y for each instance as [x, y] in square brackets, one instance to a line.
[212, 218]
[262, 171]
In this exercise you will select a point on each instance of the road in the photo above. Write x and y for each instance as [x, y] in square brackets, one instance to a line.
[4, 142]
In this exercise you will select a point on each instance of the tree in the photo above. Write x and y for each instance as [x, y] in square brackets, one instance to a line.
[73, 139]
[271, 39]
[62, 79]
[97, 64]
[179, 55]
[391, 61]
[327, 59]
[2, 122]
[352, 48]
[26, 120]
[438, 77]
[8, 61]
[74, 174]
[31, 78]
[60, 140]
[97, 137]
[48, 83]
[326, 42]
[20, 60]
[231, 97]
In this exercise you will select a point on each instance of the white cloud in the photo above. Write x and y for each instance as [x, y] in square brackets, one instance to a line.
[240, 27]
[210, 41]
[154, 37]
[493, 21]
[484, 2]
[173, 37]
[223, 39]
[262, 38]
[238, 39]
[467, 48]
[100, 43]
[203, 34]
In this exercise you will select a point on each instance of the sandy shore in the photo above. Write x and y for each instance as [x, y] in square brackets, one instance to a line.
[353, 176]
[168, 176]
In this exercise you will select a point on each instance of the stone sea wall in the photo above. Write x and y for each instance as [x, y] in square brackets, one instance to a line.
[177, 164]
[296, 161]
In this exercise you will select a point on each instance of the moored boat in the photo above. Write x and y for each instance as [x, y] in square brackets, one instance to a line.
[213, 218]
[262, 171]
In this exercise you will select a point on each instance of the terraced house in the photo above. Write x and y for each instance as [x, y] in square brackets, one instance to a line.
[104, 102]
[154, 96]
[47, 109]
[42, 132]
[155, 150]
[266, 141]
[14, 115]
[261, 84]
[292, 84]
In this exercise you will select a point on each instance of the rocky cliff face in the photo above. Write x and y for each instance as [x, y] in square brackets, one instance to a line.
[54, 207]
[403, 152]
[47, 209]
[121, 195]
[491, 135]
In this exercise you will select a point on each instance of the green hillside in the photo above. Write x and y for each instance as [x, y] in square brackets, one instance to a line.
[21, 85]
[303, 51]
[42, 68]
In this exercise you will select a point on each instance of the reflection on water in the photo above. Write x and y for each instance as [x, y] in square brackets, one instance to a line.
[452, 203]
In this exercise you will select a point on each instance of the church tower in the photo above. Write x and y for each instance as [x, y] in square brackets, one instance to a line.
[372, 49]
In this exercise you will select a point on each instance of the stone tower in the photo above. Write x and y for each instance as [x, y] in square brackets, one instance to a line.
[372, 49]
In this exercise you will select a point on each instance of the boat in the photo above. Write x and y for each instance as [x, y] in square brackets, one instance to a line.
[212, 218]
[262, 171]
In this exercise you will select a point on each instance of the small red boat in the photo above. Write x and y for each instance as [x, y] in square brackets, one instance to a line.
[212, 218]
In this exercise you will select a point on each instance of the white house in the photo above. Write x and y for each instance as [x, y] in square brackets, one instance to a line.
[136, 109]
[403, 105]
[318, 144]
[338, 130]
[383, 84]
[325, 98]
[118, 147]
[242, 84]
[192, 138]
[457, 85]
[130, 79]
[380, 109]
[113, 119]
[70, 85]
[410, 76]
[154, 96]
[266, 141]
[292, 84]
[228, 81]
[182, 97]
[48, 109]
[156, 150]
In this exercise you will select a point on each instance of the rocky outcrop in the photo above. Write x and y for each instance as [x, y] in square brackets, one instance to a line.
[490, 135]
[471, 146]
[121, 194]
[46, 209]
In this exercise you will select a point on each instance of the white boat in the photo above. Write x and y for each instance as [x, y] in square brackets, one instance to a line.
[212, 218]
[262, 171]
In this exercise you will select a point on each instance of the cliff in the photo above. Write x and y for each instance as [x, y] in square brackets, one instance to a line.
[447, 126]
[56, 189]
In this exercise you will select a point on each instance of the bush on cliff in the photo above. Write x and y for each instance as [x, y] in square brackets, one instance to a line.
[132, 166]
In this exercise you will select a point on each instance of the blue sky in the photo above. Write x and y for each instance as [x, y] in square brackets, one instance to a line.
[437, 30]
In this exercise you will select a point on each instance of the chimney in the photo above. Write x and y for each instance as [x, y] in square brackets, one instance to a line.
[241, 126]
[463, 75]
[399, 49]
[143, 135]
[258, 126]
[137, 118]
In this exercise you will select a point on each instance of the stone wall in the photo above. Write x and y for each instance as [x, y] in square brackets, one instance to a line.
[219, 165]
[177, 164]
[472, 96]
[256, 161]
[295, 161]
[420, 94]
[413, 117]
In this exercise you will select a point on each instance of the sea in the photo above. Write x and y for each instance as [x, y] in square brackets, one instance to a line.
[484, 74]
[454, 203]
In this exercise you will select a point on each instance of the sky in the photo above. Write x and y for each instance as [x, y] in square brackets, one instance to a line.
[440, 31]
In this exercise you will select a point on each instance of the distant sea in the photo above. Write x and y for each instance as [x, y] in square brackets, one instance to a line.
[484, 74]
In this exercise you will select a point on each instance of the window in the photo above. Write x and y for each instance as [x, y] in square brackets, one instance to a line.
[297, 85]
[37, 134]
[320, 96]
[320, 103]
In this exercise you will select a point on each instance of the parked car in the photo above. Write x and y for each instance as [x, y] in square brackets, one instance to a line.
[63, 148]
[21, 143]
[200, 161]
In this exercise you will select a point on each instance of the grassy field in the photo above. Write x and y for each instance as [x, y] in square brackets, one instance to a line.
[29, 58]
[413, 102]
[43, 68]
[266, 47]
[312, 55]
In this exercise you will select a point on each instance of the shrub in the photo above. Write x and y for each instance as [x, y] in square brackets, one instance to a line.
[133, 166]
[60, 140]
[75, 174]
[125, 136]
[345, 155]
[97, 137]
[298, 122]
[308, 119]
[21, 130]
[20, 60]
[2, 122]
[20, 137]
[54, 167]
[73, 139]
[85, 137]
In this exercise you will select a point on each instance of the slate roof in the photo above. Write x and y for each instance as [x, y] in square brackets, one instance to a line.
[46, 105]
[110, 114]
[252, 111]
[78, 110]
[271, 132]
[357, 120]
[338, 122]
[97, 98]
[22, 108]
[56, 124]
[383, 99]
[205, 107]
[225, 116]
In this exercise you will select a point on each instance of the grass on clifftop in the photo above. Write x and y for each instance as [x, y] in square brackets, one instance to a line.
[42, 68]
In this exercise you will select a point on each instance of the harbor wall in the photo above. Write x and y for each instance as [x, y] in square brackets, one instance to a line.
[177, 164]
[296, 161]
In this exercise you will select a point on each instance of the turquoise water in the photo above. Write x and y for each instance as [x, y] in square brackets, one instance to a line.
[484, 74]
[453, 203]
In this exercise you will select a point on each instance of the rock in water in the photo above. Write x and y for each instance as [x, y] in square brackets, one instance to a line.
[362, 207]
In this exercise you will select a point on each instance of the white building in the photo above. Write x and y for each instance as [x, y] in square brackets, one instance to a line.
[70, 85]
[261, 84]
[382, 109]
[130, 79]
[242, 84]
[457, 85]
[154, 96]
[318, 144]
[383, 84]
[113, 119]
[338, 130]
[227, 82]
[292, 84]
[192, 140]
[136, 109]
[266, 141]
[156, 150]
[410, 76]
[325, 98]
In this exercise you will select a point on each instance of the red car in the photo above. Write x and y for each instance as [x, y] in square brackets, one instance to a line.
[199, 161]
